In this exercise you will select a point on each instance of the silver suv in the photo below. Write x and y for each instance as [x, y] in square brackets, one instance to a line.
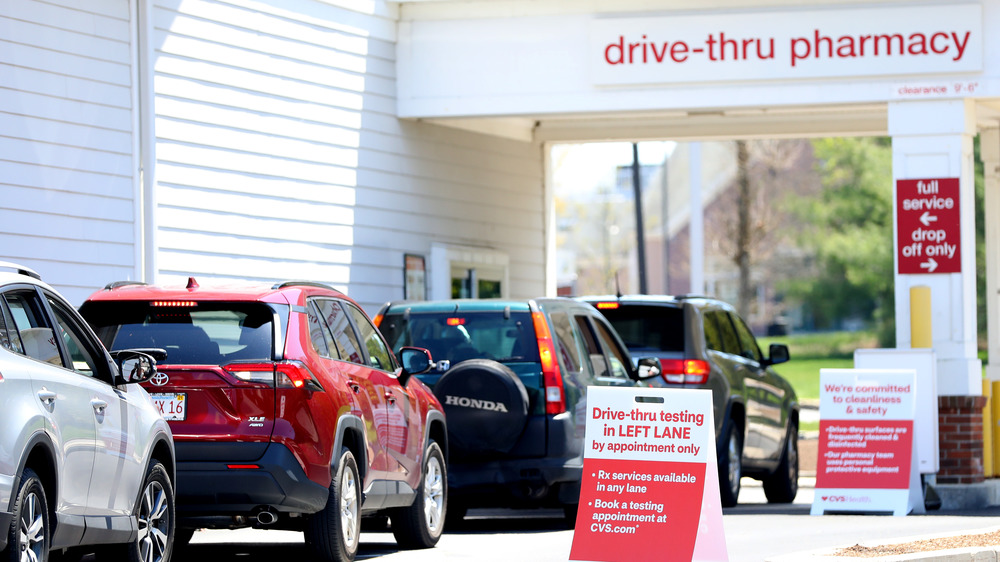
[87, 458]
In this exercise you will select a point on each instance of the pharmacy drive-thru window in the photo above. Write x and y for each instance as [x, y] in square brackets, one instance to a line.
[399, 149]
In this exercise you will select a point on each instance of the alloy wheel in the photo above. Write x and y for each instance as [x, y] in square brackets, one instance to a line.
[433, 495]
[31, 529]
[349, 519]
[154, 523]
[735, 462]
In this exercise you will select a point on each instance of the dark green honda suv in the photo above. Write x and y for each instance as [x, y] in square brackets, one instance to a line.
[512, 376]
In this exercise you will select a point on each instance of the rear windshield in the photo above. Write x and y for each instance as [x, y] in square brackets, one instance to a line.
[457, 337]
[642, 327]
[199, 334]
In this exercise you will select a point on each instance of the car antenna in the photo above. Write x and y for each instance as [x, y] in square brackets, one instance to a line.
[618, 287]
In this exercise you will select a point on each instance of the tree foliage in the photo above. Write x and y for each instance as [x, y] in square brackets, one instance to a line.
[849, 230]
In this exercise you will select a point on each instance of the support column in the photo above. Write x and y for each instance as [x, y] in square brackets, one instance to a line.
[933, 139]
[989, 151]
[697, 223]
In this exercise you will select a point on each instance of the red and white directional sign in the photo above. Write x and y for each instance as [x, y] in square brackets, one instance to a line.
[928, 231]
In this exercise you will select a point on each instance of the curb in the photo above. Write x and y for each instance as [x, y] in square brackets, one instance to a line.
[965, 554]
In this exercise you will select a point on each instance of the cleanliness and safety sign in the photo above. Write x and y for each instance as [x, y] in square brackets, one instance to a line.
[866, 459]
[649, 472]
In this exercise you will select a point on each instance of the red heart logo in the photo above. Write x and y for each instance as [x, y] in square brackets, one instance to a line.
[824, 498]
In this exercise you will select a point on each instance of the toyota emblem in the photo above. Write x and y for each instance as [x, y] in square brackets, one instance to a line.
[160, 379]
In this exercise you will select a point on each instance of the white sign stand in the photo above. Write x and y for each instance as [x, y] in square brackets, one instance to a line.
[867, 450]
[649, 471]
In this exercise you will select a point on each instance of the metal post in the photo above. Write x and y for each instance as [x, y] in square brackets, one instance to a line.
[640, 234]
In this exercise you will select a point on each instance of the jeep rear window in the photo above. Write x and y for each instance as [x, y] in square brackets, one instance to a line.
[198, 333]
[472, 335]
[644, 327]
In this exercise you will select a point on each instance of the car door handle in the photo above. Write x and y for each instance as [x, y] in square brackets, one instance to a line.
[47, 396]
[100, 406]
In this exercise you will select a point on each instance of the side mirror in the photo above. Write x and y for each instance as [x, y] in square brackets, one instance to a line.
[133, 366]
[648, 368]
[415, 361]
[777, 353]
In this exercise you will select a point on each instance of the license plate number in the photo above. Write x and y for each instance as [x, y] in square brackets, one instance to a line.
[173, 407]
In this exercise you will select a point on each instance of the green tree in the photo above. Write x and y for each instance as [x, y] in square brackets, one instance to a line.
[850, 233]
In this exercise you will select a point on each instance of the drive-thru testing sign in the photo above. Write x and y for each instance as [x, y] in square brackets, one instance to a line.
[866, 459]
[928, 235]
[650, 488]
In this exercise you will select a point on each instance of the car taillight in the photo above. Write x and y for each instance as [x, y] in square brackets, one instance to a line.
[274, 375]
[377, 320]
[296, 375]
[685, 371]
[555, 403]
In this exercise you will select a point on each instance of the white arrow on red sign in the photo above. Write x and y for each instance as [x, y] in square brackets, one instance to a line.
[927, 218]
[930, 265]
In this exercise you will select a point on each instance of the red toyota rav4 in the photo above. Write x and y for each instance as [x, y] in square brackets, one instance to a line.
[288, 410]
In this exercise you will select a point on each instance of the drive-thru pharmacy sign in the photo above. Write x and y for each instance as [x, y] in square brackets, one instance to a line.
[927, 226]
[866, 459]
[649, 472]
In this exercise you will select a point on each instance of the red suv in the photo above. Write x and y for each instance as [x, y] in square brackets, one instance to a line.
[288, 410]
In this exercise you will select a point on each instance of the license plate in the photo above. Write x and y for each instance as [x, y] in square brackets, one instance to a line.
[173, 407]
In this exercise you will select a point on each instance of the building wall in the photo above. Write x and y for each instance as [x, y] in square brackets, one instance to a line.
[275, 150]
[279, 155]
[66, 141]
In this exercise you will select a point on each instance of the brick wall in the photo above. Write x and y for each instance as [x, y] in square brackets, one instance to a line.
[960, 434]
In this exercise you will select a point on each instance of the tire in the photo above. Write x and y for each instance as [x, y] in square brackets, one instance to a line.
[154, 512]
[30, 529]
[731, 465]
[332, 534]
[486, 405]
[783, 485]
[420, 525]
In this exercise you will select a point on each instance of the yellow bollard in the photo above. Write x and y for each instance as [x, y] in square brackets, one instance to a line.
[920, 316]
[995, 415]
[989, 468]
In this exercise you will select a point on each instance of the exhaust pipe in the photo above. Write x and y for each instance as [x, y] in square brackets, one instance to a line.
[266, 517]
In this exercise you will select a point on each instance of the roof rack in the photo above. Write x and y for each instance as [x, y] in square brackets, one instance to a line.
[293, 283]
[116, 284]
[20, 269]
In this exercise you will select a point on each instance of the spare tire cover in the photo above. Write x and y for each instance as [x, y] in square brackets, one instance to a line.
[486, 406]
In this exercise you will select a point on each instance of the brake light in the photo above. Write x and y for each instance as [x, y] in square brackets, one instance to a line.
[607, 305]
[296, 375]
[274, 375]
[555, 403]
[252, 373]
[455, 321]
[243, 466]
[178, 304]
[685, 371]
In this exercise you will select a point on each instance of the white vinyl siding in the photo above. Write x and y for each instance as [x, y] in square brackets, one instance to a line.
[66, 141]
[279, 155]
